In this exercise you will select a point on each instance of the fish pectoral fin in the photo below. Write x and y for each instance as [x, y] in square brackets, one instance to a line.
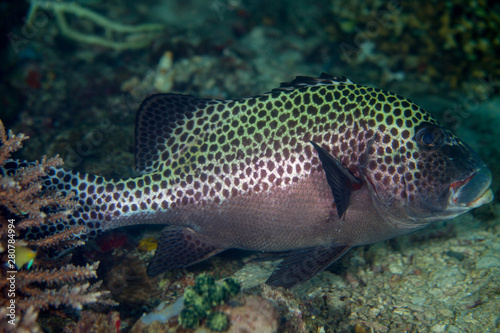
[340, 180]
[301, 265]
[180, 247]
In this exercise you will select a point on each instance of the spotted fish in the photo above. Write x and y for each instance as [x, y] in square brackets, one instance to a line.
[306, 171]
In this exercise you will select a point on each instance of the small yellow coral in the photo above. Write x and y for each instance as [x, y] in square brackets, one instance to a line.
[147, 244]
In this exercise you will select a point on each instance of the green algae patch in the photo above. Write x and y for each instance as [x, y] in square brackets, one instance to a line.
[201, 299]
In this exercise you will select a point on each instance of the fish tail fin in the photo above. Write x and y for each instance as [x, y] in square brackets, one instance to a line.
[42, 210]
[70, 195]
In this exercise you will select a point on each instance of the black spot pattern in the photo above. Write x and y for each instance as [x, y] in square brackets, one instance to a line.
[195, 151]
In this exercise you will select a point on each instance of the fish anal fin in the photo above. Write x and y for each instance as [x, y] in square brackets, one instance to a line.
[301, 265]
[179, 247]
[340, 180]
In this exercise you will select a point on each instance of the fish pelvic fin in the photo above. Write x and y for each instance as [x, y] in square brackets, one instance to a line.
[301, 265]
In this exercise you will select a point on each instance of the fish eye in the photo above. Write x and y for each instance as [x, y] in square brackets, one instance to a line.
[430, 137]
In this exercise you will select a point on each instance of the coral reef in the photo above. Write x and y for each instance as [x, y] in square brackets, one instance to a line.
[23, 204]
[289, 307]
[128, 282]
[254, 313]
[93, 322]
[217, 321]
[70, 290]
[79, 100]
[113, 35]
[25, 324]
[434, 41]
[216, 306]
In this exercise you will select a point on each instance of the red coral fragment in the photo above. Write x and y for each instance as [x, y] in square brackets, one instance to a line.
[33, 79]
[111, 241]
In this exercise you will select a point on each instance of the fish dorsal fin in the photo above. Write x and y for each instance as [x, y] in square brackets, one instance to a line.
[158, 121]
[307, 81]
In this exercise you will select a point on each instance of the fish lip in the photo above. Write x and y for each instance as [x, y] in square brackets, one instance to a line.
[484, 199]
[473, 191]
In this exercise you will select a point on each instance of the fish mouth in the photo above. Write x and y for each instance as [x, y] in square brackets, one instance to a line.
[473, 191]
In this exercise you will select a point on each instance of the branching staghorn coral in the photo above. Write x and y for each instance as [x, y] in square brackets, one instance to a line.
[98, 322]
[21, 194]
[26, 324]
[115, 36]
[24, 204]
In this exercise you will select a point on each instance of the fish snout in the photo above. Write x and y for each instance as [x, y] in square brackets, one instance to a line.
[473, 191]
